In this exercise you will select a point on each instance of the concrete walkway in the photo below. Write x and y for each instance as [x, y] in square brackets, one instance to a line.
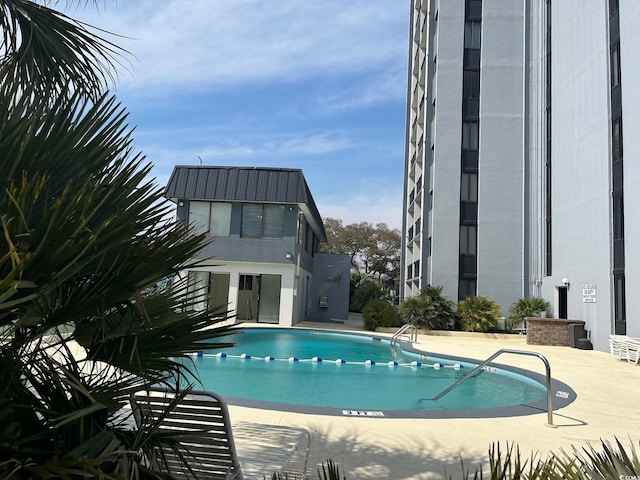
[607, 406]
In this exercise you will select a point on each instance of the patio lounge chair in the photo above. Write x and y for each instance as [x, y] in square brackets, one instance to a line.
[215, 450]
[626, 348]
[633, 350]
[618, 346]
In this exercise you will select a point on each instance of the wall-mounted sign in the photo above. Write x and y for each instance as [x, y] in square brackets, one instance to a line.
[589, 293]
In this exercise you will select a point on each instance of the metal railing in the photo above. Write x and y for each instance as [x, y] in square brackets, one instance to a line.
[413, 335]
[489, 360]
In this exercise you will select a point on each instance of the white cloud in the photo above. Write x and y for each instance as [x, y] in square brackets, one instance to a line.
[309, 144]
[259, 150]
[204, 43]
[378, 89]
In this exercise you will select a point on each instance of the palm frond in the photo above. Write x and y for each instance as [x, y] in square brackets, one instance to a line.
[45, 52]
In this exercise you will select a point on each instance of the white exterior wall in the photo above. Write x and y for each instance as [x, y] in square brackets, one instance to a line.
[581, 200]
[500, 178]
[629, 41]
[291, 301]
[447, 144]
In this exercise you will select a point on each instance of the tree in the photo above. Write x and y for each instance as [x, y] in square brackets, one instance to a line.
[525, 307]
[374, 249]
[429, 309]
[380, 313]
[362, 290]
[83, 234]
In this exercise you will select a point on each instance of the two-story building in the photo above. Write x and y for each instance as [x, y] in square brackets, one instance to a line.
[263, 262]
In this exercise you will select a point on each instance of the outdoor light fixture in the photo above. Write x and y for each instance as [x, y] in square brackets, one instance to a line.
[565, 282]
[288, 256]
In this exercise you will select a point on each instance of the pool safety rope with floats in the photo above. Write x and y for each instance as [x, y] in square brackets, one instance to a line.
[339, 361]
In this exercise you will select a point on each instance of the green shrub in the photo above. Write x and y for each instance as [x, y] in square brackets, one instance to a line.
[525, 307]
[380, 313]
[366, 289]
[429, 309]
[478, 314]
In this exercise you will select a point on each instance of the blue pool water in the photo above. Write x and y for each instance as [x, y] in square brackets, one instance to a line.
[364, 382]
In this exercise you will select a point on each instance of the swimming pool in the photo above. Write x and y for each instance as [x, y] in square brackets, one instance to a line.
[319, 371]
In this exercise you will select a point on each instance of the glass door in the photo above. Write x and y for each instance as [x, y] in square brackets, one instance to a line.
[269, 299]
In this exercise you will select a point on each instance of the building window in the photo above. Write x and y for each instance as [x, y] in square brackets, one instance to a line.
[617, 173]
[472, 31]
[300, 228]
[197, 290]
[262, 220]
[613, 6]
[548, 253]
[220, 219]
[199, 216]
[615, 65]
[212, 218]
[466, 288]
[619, 303]
[616, 140]
[470, 135]
[468, 240]
[471, 84]
[473, 9]
[246, 282]
[251, 220]
[309, 239]
[469, 187]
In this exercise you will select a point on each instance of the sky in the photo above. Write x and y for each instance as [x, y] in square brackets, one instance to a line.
[315, 85]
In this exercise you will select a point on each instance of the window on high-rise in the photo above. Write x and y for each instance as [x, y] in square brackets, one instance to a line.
[469, 187]
[615, 65]
[616, 139]
[548, 254]
[617, 172]
[472, 34]
[468, 237]
[471, 84]
[470, 135]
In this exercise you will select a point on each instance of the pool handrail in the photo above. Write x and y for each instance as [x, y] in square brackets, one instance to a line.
[489, 360]
[413, 335]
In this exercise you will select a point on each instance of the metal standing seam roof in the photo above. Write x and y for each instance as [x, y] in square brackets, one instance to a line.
[245, 184]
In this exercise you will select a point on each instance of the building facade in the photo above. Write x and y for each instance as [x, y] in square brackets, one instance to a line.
[263, 263]
[515, 159]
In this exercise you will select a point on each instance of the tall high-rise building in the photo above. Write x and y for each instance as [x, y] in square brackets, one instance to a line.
[514, 165]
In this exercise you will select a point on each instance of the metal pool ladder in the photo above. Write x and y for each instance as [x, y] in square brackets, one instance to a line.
[489, 360]
[413, 335]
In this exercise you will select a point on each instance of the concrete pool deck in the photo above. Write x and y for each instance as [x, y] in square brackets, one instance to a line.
[607, 406]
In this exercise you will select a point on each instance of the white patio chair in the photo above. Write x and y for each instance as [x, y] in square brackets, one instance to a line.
[213, 448]
[633, 350]
[618, 346]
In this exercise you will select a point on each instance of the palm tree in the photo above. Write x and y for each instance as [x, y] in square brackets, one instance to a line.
[429, 309]
[84, 234]
[478, 314]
